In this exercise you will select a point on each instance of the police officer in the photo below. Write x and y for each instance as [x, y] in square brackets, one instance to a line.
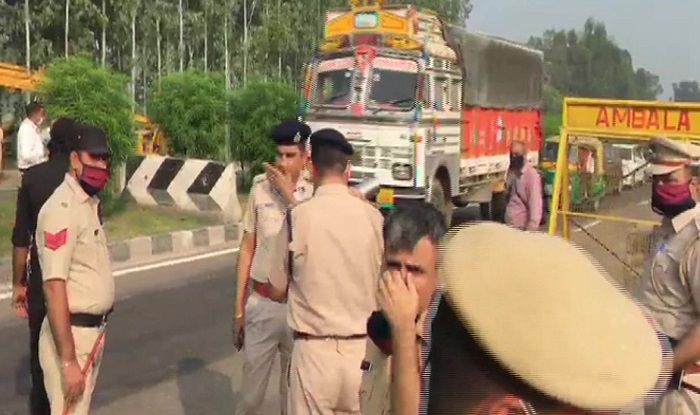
[260, 326]
[527, 333]
[78, 282]
[329, 255]
[38, 183]
[399, 334]
[671, 288]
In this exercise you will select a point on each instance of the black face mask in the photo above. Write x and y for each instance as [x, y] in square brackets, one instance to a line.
[517, 162]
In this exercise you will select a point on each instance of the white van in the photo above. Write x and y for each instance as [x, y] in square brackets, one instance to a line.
[633, 162]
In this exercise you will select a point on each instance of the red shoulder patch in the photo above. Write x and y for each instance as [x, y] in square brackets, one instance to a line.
[53, 241]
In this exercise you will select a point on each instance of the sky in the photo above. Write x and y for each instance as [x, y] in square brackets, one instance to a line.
[662, 36]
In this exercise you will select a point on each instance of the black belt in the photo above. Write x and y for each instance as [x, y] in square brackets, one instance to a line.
[89, 320]
[306, 336]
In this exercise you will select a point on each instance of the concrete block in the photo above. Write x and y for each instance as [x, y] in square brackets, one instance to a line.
[182, 241]
[119, 251]
[141, 248]
[162, 244]
[231, 233]
[200, 237]
[217, 236]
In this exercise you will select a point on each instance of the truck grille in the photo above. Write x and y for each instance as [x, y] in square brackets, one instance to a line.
[381, 158]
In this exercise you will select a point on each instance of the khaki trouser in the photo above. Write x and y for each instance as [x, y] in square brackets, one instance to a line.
[678, 402]
[325, 376]
[51, 364]
[266, 334]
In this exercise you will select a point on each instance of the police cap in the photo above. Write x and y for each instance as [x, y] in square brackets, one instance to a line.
[332, 138]
[92, 140]
[669, 155]
[291, 132]
[550, 317]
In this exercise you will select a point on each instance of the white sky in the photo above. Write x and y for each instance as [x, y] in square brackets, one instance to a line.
[663, 36]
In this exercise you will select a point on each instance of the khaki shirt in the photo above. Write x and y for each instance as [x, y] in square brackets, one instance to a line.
[264, 216]
[375, 389]
[72, 247]
[336, 253]
[671, 288]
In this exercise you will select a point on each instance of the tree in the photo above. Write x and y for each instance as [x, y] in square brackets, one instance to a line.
[191, 107]
[78, 88]
[255, 110]
[686, 91]
[590, 64]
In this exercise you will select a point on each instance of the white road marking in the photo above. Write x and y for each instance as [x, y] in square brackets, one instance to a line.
[644, 202]
[589, 225]
[6, 291]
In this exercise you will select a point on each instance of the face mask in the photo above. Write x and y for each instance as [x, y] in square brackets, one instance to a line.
[93, 179]
[517, 161]
[671, 200]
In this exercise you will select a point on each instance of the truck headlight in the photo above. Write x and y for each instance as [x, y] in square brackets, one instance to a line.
[401, 171]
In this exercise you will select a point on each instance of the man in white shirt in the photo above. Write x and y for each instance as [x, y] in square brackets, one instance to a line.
[30, 146]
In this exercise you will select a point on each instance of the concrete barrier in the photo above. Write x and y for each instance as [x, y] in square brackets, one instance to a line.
[187, 184]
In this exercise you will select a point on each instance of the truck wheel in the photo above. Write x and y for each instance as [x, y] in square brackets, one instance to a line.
[498, 207]
[485, 211]
[439, 199]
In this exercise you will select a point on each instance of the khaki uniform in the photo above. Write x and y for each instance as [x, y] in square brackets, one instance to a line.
[266, 330]
[72, 247]
[375, 390]
[671, 292]
[336, 251]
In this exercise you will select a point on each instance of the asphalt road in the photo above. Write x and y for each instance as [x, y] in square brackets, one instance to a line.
[169, 348]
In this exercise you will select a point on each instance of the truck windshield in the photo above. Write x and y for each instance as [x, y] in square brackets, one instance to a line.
[394, 85]
[334, 82]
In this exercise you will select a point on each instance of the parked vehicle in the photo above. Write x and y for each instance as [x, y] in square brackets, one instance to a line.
[587, 189]
[633, 164]
[393, 80]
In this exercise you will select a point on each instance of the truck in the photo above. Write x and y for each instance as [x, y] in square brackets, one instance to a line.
[430, 108]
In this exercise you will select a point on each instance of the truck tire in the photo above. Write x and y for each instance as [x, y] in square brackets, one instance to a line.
[498, 207]
[441, 200]
[485, 211]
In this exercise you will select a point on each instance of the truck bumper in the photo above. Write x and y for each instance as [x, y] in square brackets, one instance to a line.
[389, 198]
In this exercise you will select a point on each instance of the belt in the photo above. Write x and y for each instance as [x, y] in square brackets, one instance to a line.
[89, 320]
[262, 288]
[306, 336]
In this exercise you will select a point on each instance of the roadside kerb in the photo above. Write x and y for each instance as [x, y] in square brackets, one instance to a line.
[149, 249]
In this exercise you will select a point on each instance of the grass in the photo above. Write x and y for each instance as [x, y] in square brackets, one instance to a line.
[135, 221]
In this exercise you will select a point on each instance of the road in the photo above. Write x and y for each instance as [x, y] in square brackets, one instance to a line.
[169, 347]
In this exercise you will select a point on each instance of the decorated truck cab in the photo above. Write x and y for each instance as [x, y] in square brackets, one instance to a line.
[430, 108]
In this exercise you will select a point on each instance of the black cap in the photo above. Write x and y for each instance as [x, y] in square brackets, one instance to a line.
[292, 132]
[91, 139]
[333, 138]
[63, 133]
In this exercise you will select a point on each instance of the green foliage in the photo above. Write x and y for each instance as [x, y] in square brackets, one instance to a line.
[686, 91]
[255, 110]
[552, 123]
[77, 88]
[191, 107]
[591, 64]
[553, 100]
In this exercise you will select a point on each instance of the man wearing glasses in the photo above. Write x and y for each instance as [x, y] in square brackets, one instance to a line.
[399, 334]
